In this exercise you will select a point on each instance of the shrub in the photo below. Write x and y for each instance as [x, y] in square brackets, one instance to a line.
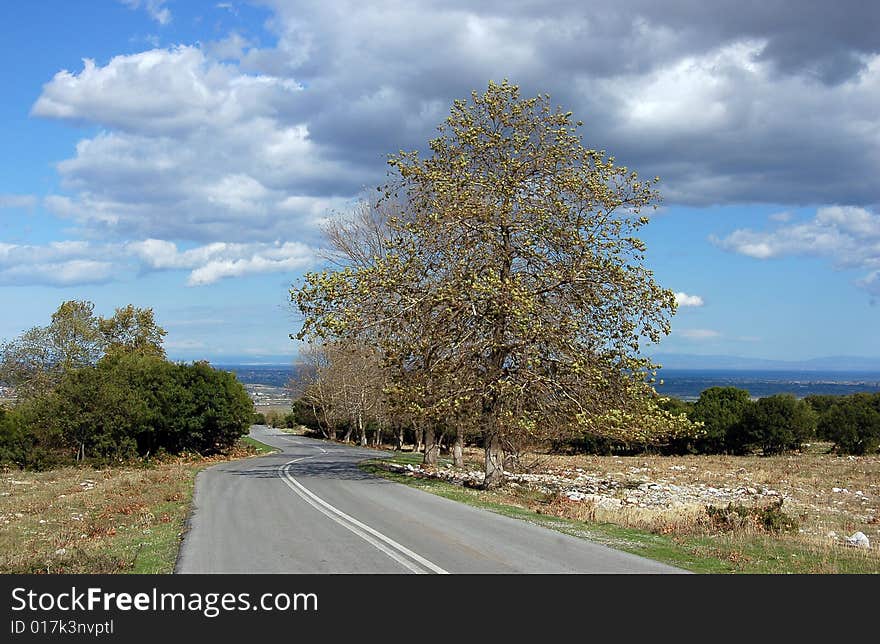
[259, 419]
[721, 410]
[127, 406]
[853, 423]
[768, 518]
[774, 424]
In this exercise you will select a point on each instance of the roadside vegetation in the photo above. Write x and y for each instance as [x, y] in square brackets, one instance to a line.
[121, 518]
[100, 391]
[821, 499]
[102, 442]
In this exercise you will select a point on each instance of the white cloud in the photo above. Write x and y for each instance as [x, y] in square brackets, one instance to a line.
[213, 262]
[871, 282]
[199, 143]
[155, 8]
[683, 299]
[74, 262]
[783, 217]
[194, 149]
[698, 334]
[17, 201]
[849, 236]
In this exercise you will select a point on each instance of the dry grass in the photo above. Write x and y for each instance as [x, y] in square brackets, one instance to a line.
[806, 482]
[81, 520]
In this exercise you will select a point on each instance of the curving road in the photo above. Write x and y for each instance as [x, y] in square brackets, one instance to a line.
[310, 509]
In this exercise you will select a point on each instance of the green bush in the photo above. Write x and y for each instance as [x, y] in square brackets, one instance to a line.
[774, 425]
[721, 410]
[127, 406]
[853, 423]
[259, 418]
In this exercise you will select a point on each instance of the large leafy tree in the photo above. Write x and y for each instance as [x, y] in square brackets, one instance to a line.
[511, 282]
[132, 331]
[36, 361]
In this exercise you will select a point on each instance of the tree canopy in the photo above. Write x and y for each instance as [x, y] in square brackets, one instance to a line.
[510, 281]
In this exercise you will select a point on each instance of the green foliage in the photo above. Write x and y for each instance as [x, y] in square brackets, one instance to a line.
[774, 424]
[259, 418]
[36, 361]
[132, 330]
[853, 423]
[721, 411]
[509, 287]
[130, 405]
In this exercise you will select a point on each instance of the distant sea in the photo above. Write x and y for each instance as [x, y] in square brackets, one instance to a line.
[686, 384]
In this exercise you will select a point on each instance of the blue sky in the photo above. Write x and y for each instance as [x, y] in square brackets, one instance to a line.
[181, 155]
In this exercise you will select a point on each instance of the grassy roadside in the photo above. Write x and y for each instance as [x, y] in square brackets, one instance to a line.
[120, 519]
[258, 447]
[698, 551]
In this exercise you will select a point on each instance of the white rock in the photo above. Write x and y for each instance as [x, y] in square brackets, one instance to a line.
[61, 551]
[858, 540]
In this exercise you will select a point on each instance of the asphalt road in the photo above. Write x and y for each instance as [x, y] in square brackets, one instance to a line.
[310, 509]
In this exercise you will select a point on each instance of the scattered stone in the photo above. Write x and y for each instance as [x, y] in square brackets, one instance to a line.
[858, 540]
[61, 551]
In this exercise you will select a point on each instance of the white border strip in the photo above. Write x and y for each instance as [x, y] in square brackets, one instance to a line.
[385, 544]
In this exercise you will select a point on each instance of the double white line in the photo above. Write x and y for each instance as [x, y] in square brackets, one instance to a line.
[414, 562]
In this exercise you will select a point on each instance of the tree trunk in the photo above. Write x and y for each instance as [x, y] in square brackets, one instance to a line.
[400, 438]
[347, 436]
[458, 448]
[377, 439]
[332, 433]
[432, 448]
[362, 431]
[494, 462]
[417, 441]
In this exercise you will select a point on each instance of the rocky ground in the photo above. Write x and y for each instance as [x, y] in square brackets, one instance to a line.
[832, 497]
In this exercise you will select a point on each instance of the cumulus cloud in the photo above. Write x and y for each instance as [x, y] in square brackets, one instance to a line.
[217, 261]
[217, 142]
[67, 263]
[683, 299]
[847, 235]
[63, 263]
[156, 9]
[193, 149]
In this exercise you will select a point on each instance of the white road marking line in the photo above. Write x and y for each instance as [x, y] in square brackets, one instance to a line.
[375, 538]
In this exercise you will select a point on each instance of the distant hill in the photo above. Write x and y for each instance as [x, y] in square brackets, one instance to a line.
[737, 363]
